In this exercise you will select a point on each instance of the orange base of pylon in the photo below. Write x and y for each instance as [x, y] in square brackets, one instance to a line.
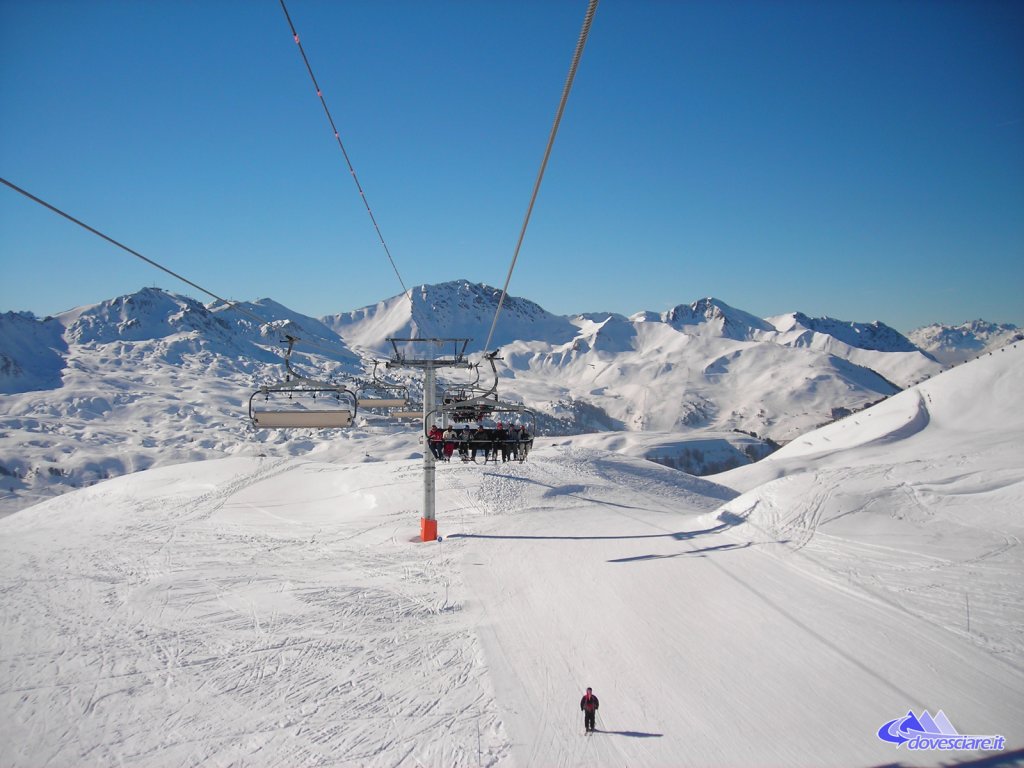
[428, 529]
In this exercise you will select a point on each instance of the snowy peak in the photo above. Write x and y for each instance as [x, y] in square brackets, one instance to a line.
[951, 344]
[646, 316]
[456, 309]
[147, 314]
[712, 316]
[165, 326]
[280, 322]
[464, 309]
[875, 336]
[605, 332]
[461, 302]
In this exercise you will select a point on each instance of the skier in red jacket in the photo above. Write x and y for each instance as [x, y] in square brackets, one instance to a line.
[589, 705]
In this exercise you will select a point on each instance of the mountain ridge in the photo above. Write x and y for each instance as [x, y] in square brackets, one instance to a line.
[955, 344]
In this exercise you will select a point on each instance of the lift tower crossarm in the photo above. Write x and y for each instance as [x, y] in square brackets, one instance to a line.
[458, 358]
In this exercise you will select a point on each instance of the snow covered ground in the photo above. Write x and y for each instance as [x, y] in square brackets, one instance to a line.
[279, 611]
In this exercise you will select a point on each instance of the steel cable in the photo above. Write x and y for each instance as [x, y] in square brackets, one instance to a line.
[232, 304]
[337, 137]
[580, 43]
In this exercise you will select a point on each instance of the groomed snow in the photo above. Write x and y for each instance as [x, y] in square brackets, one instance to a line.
[277, 611]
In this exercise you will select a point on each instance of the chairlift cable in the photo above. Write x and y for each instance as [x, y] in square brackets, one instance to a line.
[580, 43]
[341, 145]
[231, 304]
[122, 246]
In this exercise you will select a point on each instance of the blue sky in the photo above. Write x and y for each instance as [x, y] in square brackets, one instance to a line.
[863, 160]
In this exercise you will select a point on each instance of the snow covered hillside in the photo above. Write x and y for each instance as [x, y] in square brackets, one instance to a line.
[698, 454]
[33, 353]
[280, 611]
[916, 501]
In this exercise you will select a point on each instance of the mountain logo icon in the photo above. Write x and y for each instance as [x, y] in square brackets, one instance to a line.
[903, 729]
[927, 731]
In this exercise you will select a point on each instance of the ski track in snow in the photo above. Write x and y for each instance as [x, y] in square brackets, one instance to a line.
[931, 577]
[220, 643]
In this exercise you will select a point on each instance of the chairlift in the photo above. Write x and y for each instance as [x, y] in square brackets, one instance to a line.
[297, 419]
[470, 402]
[375, 394]
[496, 440]
[289, 410]
[459, 392]
[487, 412]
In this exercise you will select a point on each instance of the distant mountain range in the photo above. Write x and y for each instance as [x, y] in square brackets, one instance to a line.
[954, 344]
[156, 377]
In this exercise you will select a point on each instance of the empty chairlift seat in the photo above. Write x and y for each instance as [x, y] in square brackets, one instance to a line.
[304, 405]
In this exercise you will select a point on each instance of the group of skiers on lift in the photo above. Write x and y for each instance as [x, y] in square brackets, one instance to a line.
[511, 442]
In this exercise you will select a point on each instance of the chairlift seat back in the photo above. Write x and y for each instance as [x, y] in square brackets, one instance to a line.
[300, 419]
[373, 402]
[407, 414]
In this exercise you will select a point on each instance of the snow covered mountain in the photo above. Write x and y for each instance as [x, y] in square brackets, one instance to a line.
[713, 317]
[457, 309]
[148, 314]
[954, 344]
[934, 465]
[876, 336]
[167, 379]
[169, 324]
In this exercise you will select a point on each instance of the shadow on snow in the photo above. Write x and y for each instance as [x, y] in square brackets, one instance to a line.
[687, 553]
[678, 536]
[633, 734]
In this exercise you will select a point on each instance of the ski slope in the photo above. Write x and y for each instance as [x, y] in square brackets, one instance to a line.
[278, 611]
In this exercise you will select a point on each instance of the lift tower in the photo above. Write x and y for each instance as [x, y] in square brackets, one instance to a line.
[428, 522]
